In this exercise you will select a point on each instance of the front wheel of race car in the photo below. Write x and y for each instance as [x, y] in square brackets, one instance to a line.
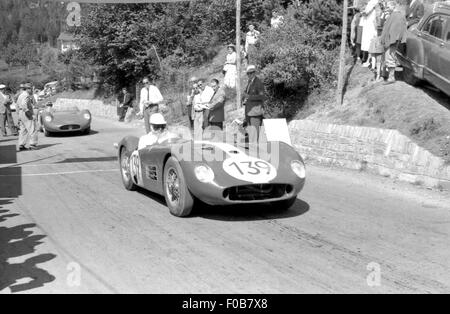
[284, 205]
[178, 197]
[124, 161]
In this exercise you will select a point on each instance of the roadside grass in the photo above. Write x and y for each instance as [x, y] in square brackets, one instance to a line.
[414, 111]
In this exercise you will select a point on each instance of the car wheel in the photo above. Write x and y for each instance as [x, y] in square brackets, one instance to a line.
[47, 133]
[284, 205]
[87, 131]
[409, 77]
[124, 162]
[178, 197]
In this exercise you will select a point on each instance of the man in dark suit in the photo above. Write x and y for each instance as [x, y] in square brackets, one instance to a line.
[253, 100]
[217, 106]
[125, 102]
[415, 12]
[5, 112]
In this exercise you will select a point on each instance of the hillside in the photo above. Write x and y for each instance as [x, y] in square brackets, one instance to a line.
[420, 113]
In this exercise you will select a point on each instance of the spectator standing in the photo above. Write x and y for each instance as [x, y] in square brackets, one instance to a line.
[190, 101]
[253, 100]
[5, 112]
[414, 12]
[149, 102]
[198, 111]
[230, 67]
[393, 35]
[27, 122]
[276, 20]
[125, 102]
[356, 35]
[369, 23]
[216, 106]
[251, 42]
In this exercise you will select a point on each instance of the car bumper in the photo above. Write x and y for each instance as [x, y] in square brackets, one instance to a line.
[246, 193]
[65, 128]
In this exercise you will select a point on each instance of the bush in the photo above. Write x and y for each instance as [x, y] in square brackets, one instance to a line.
[295, 60]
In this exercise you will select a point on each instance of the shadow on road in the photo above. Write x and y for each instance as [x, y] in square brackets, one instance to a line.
[81, 160]
[20, 241]
[73, 134]
[251, 212]
[237, 212]
[17, 241]
[11, 185]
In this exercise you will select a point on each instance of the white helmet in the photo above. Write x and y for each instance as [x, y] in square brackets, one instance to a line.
[157, 119]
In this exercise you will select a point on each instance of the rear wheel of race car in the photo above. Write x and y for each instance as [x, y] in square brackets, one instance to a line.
[284, 205]
[178, 198]
[124, 162]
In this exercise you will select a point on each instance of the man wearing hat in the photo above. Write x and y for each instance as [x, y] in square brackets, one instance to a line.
[5, 112]
[27, 120]
[253, 100]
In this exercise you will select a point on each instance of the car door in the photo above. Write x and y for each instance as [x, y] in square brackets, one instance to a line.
[444, 59]
[433, 40]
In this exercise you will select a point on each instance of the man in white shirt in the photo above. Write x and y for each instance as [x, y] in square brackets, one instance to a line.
[276, 20]
[149, 102]
[251, 39]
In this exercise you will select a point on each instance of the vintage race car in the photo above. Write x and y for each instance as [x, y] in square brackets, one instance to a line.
[64, 120]
[185, 172]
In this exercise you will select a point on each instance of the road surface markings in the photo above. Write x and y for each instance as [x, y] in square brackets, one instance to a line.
[57, 173]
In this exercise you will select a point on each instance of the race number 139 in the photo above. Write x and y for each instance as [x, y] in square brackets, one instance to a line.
[251, 167]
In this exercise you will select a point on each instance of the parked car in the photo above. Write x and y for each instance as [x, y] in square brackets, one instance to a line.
[426, 55]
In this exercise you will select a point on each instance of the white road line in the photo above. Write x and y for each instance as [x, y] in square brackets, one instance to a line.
[56, 173]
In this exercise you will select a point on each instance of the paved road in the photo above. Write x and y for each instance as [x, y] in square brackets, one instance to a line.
[67, 225]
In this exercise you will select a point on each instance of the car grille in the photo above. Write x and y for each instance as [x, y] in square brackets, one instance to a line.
[70, 127]
[257, 192]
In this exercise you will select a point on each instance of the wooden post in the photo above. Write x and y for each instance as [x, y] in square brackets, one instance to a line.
[341, 78]
[238, 52]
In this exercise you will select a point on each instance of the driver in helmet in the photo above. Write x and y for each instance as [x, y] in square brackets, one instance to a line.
[158, 132]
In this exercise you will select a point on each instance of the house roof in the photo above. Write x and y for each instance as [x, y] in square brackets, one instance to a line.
[64, 36]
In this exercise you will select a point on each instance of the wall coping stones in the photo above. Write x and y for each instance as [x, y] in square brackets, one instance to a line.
[380, 151]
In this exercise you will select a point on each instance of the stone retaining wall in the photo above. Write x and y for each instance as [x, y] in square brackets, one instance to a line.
[385, 152]
[96, 107]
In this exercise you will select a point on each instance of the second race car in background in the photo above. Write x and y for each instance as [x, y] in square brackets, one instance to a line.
[64, 120]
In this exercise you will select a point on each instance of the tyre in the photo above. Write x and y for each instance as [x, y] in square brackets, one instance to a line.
[47, 133]
[409, 77]
[177, 195]
[284, 205]
[87, 131]
[124, 162]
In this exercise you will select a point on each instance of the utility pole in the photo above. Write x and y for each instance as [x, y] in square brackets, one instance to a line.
[238, 52]
[341, 78]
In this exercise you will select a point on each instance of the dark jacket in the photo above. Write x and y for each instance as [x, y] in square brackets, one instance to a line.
[254, 98]
[394, 30]
[126, 99]
[415, 13]
[217, 106]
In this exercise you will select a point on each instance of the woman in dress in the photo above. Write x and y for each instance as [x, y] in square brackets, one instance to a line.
[369, 22]
[230, 68]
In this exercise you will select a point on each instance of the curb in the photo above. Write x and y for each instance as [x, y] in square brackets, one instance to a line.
[384, 152]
